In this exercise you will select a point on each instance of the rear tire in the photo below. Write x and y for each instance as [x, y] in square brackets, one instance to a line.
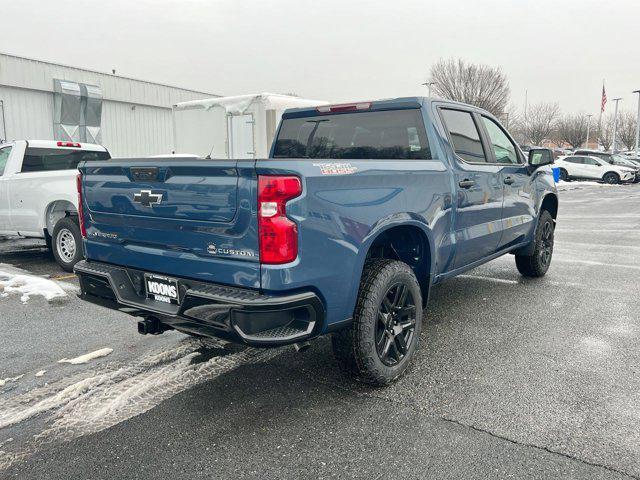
[537, 264]
[611, 178]
[381, 342]
[67, 243]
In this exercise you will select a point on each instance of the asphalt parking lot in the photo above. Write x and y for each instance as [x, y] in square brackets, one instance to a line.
[515, 378]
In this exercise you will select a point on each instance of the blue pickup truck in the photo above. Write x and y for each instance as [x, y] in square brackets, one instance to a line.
[358, 211]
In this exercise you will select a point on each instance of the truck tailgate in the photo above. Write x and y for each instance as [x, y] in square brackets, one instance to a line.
[189, 218]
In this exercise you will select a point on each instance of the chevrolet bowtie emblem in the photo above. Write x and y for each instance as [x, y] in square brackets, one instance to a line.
[146, 198]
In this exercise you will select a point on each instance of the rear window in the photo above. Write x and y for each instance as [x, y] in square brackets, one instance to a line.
[392, 134]
[46, 159]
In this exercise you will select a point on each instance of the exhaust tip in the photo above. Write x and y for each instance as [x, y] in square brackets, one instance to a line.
[142, 327]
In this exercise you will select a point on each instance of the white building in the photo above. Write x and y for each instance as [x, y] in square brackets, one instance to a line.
[47, 101]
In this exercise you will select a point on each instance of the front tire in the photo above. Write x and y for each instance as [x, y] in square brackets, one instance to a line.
[611, 178]
[66, 243]
[381, 342]
[537, 264]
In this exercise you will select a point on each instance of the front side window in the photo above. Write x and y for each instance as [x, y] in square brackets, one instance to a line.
[464, 135]
[47, 159]
[390, 134]
[4, 157]
[503, 147]
[591, 161]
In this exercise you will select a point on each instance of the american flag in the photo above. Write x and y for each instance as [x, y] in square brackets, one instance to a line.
[604, 99]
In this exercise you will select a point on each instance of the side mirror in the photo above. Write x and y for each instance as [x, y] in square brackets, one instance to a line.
[539, 157]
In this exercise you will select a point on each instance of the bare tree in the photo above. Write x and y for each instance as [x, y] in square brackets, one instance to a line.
[540, 121]
[572, 129]
[513, 121]
[480, 85]
[605, 132]
[626, 133]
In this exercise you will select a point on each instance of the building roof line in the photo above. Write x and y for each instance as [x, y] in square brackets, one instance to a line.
[108, 74]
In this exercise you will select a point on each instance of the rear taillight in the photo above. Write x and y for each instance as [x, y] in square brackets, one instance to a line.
[83, 230]
[69, 144]
[278, 234]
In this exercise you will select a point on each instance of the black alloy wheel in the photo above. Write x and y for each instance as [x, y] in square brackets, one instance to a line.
[396, 324]
[546, 244]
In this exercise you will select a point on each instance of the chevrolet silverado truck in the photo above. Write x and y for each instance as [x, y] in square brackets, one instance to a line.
[38, 194]
[358, 211]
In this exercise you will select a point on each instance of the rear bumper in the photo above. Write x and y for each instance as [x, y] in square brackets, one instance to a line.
[207, 309]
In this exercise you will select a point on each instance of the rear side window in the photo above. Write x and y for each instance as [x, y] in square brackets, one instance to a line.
[4, 156]
[464, 135]
[47, 159]
[392, 134]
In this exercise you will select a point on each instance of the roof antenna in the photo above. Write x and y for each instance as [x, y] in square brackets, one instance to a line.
[208, 157]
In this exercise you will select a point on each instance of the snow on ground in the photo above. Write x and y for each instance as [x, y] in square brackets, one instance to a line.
[87, 357]
[4, 381]
[12, 280]
[95, 400]
[40, 373]
[576, 185]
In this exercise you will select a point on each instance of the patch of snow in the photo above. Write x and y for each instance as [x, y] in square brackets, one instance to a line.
[114, 393]
[87, 357]
[3, 382]
[575, 185]
[28, 285]
[41, 373]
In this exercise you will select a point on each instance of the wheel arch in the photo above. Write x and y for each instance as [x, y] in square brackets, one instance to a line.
[56, 210]
[405, 238]
[550, 204]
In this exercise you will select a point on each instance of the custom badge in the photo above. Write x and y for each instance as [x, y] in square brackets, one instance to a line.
[336, 168]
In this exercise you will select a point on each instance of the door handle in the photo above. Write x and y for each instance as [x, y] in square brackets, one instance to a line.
[466, 183]
[509, 181]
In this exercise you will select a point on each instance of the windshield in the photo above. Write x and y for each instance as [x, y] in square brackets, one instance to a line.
[620, 160]
[390, 134]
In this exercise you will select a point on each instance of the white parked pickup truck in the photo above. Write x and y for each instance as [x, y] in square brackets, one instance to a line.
[38, 193]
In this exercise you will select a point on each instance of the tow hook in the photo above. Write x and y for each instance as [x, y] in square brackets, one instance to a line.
[151, 326]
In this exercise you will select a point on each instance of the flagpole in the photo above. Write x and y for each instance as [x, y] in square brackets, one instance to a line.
[615, 125]
[601, 108]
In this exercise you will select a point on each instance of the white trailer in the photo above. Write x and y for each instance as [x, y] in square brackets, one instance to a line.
[236, 127]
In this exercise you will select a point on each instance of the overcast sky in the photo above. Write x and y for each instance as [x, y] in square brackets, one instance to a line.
[340, 50]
